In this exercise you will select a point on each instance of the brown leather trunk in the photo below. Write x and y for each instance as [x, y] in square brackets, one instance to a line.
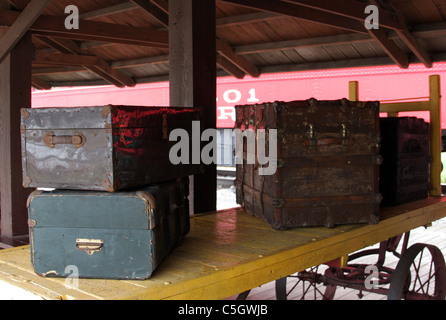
[327, 163]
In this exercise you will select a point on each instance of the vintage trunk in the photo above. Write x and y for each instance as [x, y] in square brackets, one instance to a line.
[327, 163]
[121, 235]
[102, 148]
[405, 150]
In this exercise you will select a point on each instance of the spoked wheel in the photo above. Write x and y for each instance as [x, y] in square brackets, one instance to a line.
[419, 275]
[356, 276]
[306, 285]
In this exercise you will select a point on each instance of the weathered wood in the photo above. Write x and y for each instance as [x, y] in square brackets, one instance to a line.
[393, 51]
[21, 26]
[350, 9]
[327, 163]
[101, 68]
[15, 90]
[303, 13]
[245, 253]
[193, 77]
[92, 30]
[435, 115]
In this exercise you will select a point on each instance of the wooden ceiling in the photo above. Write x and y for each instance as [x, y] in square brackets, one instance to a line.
[126, 42]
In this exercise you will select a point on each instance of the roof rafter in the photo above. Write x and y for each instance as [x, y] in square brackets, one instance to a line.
[351, 9]
[407, 37]
[102, 68]
[390, 47]
[21, 25]
[225, 56]
[153, 11]
[92, 30]
[304, 13]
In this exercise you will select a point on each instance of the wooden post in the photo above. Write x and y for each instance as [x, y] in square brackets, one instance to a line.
[435, 115]
[353, 91]
[192, 54]
[15, 93]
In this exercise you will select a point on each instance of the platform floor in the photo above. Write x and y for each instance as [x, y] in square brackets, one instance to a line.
[224, 255]
[434, 235]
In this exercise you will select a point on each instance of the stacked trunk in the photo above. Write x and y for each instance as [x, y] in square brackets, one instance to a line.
[123, 205]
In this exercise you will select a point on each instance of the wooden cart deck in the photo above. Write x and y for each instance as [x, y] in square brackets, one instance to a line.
[228, 252]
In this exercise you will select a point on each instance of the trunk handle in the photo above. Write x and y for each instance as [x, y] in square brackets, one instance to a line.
[314, 141]
[89, 246]
[77, 140]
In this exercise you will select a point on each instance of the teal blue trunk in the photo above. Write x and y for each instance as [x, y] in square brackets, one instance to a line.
[119, 235]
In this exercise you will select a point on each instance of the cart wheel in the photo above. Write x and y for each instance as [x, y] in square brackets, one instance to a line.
[309, 282]
[419, 275]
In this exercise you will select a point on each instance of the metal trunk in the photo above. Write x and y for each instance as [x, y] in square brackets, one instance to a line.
[106, 148]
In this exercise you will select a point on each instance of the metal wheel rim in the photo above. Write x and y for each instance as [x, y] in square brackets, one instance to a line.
[403, 285]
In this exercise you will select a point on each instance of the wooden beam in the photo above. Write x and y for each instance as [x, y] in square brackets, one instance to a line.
[390, 47]
[239, 61]
[419, 51]
[40, 83]
[64, 59]
[192, 51]
[15, 90]
[162, 4]
[107, 11]
[153, 11]
[303, 13]
[351, 9]
[21, 25]
[19, 4]
[245, 18]
[419, 31]
[229, 67]
[436, 120]
[102, 68]
[93, 63]
[92, 30]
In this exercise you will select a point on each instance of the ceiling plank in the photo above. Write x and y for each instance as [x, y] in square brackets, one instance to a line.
[21, 25]
[351, 9]
[92, 30]
[102, 68]
[303, 13]
[103, 12]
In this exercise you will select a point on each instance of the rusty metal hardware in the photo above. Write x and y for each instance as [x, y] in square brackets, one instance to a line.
[77, 140]
[89, 246]
[314, 141]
